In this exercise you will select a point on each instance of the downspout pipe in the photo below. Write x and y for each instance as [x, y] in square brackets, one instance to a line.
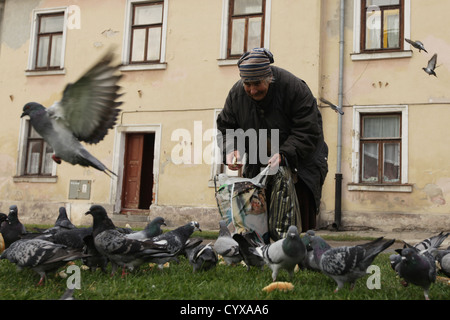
[338, 175]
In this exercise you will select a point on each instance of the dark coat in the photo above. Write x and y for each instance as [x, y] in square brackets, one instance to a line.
[290, 107]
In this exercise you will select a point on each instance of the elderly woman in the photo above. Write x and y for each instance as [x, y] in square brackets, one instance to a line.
[268, 97]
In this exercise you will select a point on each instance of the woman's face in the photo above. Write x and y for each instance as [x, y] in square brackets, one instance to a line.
[256, 90]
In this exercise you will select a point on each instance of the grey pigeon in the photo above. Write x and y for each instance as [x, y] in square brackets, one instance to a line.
[248, 252]
[332, 106]
[432, 242]
[417, 44]
[87, 110]
[349, 263]
[121, 251]
[12, 229]
[202, 257]
[94, 258]
[226, 246]
[40, 255]
[310, 262]
[178, 239]
[73, 238]
[418, 268]
[62, 223]
[284, 253]
[431, 66]
[152, 229]
[442, 258]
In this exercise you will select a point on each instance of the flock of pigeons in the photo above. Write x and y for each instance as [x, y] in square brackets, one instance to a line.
[47, 250]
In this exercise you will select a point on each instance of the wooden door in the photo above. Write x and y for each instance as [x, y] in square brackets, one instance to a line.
[132, 171]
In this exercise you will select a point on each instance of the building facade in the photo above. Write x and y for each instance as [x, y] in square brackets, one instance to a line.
[178, 61]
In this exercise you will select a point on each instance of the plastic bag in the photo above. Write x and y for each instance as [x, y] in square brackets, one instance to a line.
[284, 208]
[242, 203]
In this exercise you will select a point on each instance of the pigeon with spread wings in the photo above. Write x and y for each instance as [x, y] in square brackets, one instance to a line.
[87, 110]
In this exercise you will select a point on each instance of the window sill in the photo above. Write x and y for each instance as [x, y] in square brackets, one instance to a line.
[38, 179]
[227, 62]
[380, 187]
[381, 55]
[31, 73]
[143, 67]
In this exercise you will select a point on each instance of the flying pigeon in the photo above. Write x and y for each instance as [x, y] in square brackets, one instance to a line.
[249, 253]
[226, 246]
[40, 255]
[12, 230]
[332, 106]
[87, 110]
[284, 253]
[416, 44]
[121, 251]
[418, 268]
[310, 262]
[431, 66]
[202, 257]
[152, 229]
[348, 263]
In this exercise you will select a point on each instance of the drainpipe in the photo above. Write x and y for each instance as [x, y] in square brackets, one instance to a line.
[338, 175]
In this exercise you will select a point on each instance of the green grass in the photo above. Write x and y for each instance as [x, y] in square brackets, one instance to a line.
[178, 282]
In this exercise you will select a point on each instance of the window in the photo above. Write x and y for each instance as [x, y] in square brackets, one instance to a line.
[47, 43]
[380, 27]
[145, 35]
[380, 149]
[38, 155]
[146, 32]
[245, 25]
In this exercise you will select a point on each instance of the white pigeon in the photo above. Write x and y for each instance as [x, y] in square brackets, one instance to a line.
[284, 253]
[87, 110]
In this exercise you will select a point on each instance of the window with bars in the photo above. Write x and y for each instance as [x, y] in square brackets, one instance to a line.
[146, 32]
[49, 41]
[245, 26]
[38, 155]
[380, 148]
[382, 25]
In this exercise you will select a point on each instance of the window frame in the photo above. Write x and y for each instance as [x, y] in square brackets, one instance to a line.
[128, 34]
[356, 184]
[380, 143]
[358, 54]
[223, 59]
[246, 18]
[32, 69]
[401, 9]
[21, 175]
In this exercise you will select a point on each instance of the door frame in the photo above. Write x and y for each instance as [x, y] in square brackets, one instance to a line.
[119, 158]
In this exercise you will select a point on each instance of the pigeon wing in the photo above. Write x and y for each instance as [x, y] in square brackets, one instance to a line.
[432, 62]
[88, 107]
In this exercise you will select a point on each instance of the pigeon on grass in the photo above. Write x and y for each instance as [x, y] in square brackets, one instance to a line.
[418, 268]
[202, 257]
[248, 251]
[12, 229]
[442, 258]
[310, 262]
[284, 253]
[348, 263]
[226, 246]
[152, 229]
[124, 252]
[40, 255]
[87, 110]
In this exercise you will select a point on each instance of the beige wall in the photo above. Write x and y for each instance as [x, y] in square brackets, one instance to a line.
[194, 82]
